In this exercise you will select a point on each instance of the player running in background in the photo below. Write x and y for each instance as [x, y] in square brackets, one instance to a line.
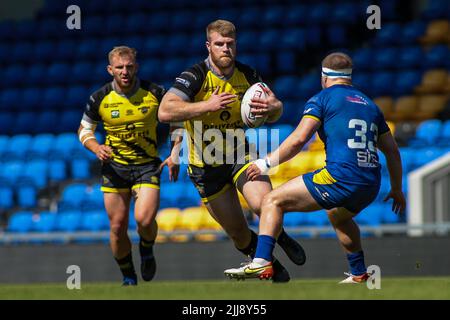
[208, 95]
[352, 127]
[128, 108]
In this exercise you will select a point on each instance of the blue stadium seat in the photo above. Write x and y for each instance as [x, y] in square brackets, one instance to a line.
[294, 38]
[54, 98]
[411, 32]
[21, 221]
[370, 216]
[274, 16]
[69, 221]
[381, 83]
[428, 132]
[25, 30]
[34, 74]
[336, 35]
[70, 120]
[44, 51]
[158, 21]
[284, 130]
[72, 197]
[80, 71]
[427, 155]
[20, 52]
[189, 197]
[41, 145]
[6, 195]
[94, 25]
[316, 218]
[84, 49]
[250, 18]
[58, 74]
[26, 195]
[295, 219]
[171, 195]
[11, 171]
[309, 85]
[30, 99]
[445, 134]
[295, 15]
[180, 20]
[155, 45]
[436, 9]
[285, 60]
[80, 168]
[286, 87]
[44, 122]
[344, 13]
[387, 215]
[45, 222]
[65, 144]
[24, 122]
[37, 171]
[437, 57]
[313, 36]
[66, 50]
[268, 39]
[134, 23]
[15, 75]
[57, 170]
[385, 58]
[93, 198]
[9, 99]
[7, 122]
[95, 221]
[317, 13]
[18, 146]
[405, 82]
[4, 142]
[388, 34]
[410, 57]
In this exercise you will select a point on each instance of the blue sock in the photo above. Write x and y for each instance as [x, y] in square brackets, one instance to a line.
[356, 262]
[265, 247]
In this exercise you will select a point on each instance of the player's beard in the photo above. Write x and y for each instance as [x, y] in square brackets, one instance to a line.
[222, 62]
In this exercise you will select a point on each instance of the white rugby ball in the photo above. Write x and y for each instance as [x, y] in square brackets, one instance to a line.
[249, 119]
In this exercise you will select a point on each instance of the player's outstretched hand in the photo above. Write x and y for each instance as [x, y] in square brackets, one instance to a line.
[103, 152]
[220, 101]
[399, 203]
[253, 172]
[174, 168]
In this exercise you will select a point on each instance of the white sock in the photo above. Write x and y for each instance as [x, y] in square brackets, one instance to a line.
[261, 262]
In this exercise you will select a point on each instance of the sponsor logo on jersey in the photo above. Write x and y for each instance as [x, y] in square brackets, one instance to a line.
[357, 99]
[225, 115]
[144, 110]
[130, 112]
[184, 82]
[115, 114]
[307, 110]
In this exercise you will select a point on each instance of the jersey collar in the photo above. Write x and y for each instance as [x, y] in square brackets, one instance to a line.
[211, 68]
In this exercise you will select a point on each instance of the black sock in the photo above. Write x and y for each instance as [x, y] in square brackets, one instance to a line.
[126, 266]
[250, 250]
[283, 235]
[146, 247]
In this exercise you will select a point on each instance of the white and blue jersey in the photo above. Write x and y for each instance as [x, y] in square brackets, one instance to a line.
[350, 126]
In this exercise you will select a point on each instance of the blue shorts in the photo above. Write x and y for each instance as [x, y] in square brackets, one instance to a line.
[330, 193]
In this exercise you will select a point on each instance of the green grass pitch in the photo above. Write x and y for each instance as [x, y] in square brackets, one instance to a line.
[391, 288]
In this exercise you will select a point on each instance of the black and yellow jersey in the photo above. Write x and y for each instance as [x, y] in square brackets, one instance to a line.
[130, 121]
[197, 84]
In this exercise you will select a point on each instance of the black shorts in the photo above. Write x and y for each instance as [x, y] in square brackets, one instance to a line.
[118, 177]
[211, 181]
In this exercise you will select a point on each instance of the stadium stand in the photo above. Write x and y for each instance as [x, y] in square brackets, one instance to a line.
[48, 182]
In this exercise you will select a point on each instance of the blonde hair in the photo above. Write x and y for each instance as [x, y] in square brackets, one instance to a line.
[337, 61]
[223, 27]
[122, 51]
